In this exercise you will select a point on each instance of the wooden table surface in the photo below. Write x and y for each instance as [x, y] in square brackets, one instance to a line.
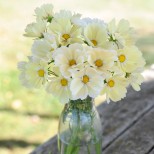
[128, 126]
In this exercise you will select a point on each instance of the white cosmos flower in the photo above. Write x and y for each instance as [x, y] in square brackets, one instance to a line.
[66, 32]
[130, 58]
[43, 47]
[36, 29]
[87, 21]
[116, 69]
[95, 35]
[115, 88]
[51, 38]
[102, 60]
[135, 79]
[59, 87]
[86, 83]
[67, 58]
[45, 12]
[34, 73]
[120, 35]
[63, 14]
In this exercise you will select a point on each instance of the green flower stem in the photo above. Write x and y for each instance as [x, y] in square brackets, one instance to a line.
[52, 73]
[88, 150]
[98, 147]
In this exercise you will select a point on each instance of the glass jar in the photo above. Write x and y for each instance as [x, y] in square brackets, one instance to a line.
[80, 130]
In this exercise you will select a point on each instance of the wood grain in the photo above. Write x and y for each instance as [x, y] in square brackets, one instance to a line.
[152, 152]
[137, 140]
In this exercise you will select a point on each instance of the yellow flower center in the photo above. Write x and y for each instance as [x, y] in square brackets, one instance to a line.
[66, 36]
[41, 73]
[111, 83]
[99, 63]
[64, 82]
[72, 62]
[94, 42]
[85, 79]
[122, 58]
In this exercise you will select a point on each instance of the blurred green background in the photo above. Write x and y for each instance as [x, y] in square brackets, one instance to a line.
[28, 118]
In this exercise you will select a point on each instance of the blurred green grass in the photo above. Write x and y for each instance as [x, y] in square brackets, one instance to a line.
[29, 117]
[146, 44]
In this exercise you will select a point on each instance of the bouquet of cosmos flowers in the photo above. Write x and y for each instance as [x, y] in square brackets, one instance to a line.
[74, 57]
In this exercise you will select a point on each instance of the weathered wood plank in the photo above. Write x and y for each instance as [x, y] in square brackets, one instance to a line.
[116, 117]
[49, 147]
[137, 140]
[152, 152]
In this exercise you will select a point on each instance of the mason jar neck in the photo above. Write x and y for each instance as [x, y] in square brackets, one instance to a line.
[82, 105]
